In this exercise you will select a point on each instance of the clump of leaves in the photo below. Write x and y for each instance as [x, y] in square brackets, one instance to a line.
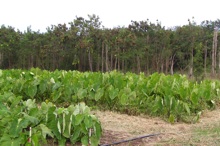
[27, 123]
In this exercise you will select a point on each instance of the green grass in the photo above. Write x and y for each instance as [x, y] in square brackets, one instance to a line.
[208, 135]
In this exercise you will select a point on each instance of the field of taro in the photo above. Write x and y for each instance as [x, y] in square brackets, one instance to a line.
[37, 106]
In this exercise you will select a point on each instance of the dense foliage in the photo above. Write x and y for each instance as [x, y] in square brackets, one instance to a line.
[26, 122]
[173, 97]
[85, 45]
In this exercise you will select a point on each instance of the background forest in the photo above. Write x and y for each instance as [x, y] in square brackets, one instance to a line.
[85, 45]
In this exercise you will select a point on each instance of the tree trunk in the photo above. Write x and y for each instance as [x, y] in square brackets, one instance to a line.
[31, 61]
[111, 61]
[1, 59]
[98, 63]
[147, 56]
[9, 61]
[116, 61]
[90, 60]
[80, 64]
[54, 61]
[138, 64]
[123, 62]
[192, 58]
[167, 65]
[103, 45]
[172, 64]
[214, 51]
[157, 63]
[106, 58]
[162, 67]
[205, 58]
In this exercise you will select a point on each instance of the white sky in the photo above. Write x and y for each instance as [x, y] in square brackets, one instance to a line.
[40, 14]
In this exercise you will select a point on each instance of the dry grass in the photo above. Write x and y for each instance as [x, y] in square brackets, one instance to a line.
[121, 126]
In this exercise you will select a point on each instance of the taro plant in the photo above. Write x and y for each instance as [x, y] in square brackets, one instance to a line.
[28, 123]
[75, 124]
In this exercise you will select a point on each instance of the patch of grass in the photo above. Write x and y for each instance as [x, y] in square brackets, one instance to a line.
[207, 135]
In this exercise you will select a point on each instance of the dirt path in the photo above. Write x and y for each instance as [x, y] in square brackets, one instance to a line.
[117, 127]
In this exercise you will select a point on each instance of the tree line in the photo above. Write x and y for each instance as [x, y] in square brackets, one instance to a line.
[142, 46]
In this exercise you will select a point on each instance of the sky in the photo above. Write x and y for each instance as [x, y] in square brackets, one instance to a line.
[40, 14]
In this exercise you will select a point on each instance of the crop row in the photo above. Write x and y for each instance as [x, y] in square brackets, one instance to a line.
[173, 97]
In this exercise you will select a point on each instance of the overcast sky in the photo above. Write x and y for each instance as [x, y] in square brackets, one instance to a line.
[40, 14]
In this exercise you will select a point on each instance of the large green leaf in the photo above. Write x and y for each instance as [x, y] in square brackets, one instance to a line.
[56, 86]
[99, 94]
[43, 86]
[30, 104]
[78, 119]
[56, 95]
[124, 99]
[98, 129]
[68, 90]
[24, 123]
[15, 128]
[31, 90]
[32, 119]
[17, 100]
[84, 129]
[11, 142]
[52, 122]
[45, 107]
[82, 93]
[88, 121]
[85, 140]
[35, 112]
[94, 140]
[187, 108]
[91, 94]
[46, 131]
[158, 105]
[76, 134]
[67, 129]
[194, 98]
[5, 138]
[113, 92]
[35, 139]
[3, 110]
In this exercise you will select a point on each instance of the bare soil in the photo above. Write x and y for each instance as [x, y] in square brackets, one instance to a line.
[118, 127]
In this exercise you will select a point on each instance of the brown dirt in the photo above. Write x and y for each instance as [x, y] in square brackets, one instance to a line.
[117, 127]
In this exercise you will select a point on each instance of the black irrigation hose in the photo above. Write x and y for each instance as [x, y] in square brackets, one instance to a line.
[123, 141]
